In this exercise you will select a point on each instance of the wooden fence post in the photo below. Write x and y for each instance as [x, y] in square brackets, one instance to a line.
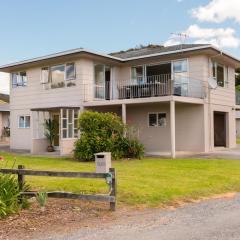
[21, 178]
[113, 189]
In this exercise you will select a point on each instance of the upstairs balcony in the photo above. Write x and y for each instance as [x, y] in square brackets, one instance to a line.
[150, 86]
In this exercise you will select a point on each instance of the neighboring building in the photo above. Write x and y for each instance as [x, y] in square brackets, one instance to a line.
[163, 92]
[4, 118]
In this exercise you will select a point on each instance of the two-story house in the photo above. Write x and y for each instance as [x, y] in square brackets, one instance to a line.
[178, 98]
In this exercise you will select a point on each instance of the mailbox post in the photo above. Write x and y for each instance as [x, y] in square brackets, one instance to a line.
[103, 162]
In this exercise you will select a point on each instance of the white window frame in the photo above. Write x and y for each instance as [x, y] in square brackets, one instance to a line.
[24, 119]
[50, 73]
[156, 113]
[225, 73]
[18, 76]
[68, 123]
[48, 80]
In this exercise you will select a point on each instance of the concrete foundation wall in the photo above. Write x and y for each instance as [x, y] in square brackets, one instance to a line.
[39, 146]
[67, 146]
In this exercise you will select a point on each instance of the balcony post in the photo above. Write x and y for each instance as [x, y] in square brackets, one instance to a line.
[172, 129]
[124, 113]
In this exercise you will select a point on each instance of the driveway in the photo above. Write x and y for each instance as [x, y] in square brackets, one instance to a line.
[216, 219]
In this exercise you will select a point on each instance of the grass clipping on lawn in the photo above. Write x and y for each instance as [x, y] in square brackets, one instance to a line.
[149, 182]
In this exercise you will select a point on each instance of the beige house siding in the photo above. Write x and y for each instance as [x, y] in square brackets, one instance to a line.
[35, 96]
[190, 128]
[155, 139]
[20, 138]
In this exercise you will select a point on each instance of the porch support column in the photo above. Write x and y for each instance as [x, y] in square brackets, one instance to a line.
[124, 113]
[172, 129]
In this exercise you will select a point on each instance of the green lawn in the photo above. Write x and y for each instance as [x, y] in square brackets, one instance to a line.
[238, 140]
[149, 181]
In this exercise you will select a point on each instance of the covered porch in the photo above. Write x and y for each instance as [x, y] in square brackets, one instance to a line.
[168, 128]
[66, 131]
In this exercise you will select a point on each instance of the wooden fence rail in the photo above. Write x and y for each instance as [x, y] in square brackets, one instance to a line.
[110, 179]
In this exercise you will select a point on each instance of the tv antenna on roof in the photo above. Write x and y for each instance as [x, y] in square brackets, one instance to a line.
[181, 36]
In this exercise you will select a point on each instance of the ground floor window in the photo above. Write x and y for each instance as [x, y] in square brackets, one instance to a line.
[69, 123]
[157, 119]
[24, 121]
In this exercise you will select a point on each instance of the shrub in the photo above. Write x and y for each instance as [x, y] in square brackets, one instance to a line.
[9, 195]
[104, 132]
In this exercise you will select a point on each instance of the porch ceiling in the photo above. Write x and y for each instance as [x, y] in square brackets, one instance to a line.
[46, 109]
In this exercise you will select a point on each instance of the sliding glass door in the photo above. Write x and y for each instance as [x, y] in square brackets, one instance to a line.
[102, 81]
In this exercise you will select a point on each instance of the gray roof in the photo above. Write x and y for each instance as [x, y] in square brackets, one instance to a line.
[123, 56]
[153, 49]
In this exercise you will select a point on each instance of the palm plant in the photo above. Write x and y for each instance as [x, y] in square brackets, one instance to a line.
[50, 132]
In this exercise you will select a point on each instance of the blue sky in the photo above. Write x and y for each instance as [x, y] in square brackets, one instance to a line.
[34, 28]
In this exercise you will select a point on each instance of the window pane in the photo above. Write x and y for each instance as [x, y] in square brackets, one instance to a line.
[64, 123]
[21, 122]
[14, 79]
[64, 113]
[70, 130]
[214, 70]
[75, 113]
[162, 119]
[75, 123]
[152, 120]
[64, 133]
[23, 79]
[27, 121]
[70, 115]
[75, 133]
[99, 87]
[220, 76]
[180, 66]
[57, 76]
[45, 75]
[70, 71]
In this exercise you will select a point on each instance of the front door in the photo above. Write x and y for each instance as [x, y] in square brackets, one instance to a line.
[56, 118]
[219, 129]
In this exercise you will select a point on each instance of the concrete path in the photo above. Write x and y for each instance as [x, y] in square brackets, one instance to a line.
[217, 219]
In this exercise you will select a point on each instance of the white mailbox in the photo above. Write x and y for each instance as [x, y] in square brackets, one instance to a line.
[103, 162]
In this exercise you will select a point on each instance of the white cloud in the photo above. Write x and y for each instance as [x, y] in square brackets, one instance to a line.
[171, 41]
[220, 37]
[218, 11]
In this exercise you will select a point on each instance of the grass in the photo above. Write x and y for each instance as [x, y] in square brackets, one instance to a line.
[238, 140]
[150, 181]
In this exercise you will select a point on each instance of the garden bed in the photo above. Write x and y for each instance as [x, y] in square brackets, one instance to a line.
[59, 216]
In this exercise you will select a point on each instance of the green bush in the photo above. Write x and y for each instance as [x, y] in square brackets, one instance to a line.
[9, 195]
[104, 132]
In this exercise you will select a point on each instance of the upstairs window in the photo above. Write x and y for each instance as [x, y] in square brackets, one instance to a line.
[138, 74]
[180, 66]
[19, 79]
[56, 76]
[70, 71]
[45, 75]
[218, 72]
